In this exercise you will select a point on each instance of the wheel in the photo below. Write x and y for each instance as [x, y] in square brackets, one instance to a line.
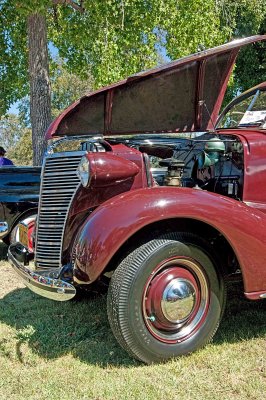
[166, 298]
[14, 234]
[6, 240]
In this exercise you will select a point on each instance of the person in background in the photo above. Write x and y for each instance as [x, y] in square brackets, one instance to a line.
[3, 160]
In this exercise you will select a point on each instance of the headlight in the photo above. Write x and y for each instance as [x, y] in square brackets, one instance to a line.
[83, 171]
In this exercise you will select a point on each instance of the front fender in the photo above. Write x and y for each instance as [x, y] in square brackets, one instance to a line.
[116, 220]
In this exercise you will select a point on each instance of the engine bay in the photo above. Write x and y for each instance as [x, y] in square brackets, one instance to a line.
[202, 161]
[205, 162]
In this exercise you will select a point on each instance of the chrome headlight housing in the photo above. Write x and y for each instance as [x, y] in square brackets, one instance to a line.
[83, 171]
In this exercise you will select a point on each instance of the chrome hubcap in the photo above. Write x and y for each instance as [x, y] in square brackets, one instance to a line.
[178, 300]
[175, 299]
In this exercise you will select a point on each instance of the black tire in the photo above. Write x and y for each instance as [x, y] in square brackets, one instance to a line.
[166, 298]
[6, 240]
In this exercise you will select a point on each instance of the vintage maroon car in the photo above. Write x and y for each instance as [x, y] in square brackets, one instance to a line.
[139, 187]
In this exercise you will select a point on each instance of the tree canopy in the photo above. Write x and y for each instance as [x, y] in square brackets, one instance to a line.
[112, 39]
[15, 133]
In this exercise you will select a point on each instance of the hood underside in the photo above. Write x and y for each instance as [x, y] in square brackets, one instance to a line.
[182, 96]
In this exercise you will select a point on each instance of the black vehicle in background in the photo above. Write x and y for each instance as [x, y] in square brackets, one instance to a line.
[19, 195]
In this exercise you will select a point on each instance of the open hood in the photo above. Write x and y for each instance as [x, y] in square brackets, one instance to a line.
[182, 96]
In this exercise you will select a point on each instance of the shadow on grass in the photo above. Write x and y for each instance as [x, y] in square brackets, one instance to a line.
[243, 319]
[53, 329]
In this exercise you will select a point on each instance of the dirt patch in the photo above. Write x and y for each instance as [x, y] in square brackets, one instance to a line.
[9, 280]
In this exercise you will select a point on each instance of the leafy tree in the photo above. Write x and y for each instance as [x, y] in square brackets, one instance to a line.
[11, 131]
[114, 38]
[15, 133]
[21, 153]
[23, 34]
[110, 39]
[25, 23]
[16, 139]
[250, 18]
[194, 25]
[66, 87]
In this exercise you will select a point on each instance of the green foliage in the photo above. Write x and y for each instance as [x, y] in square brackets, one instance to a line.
[11, 131]
[113, 39]
[251, 66]
[16, 139]
[21, 153]
[67, 87]
[193, 26]
[246, 18]
[13, 50]
[15, 133]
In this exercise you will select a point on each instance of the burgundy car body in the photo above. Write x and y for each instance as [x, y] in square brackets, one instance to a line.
[209, 68]
[83, 230]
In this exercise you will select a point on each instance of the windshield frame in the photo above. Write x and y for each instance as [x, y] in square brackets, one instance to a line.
[255, 91]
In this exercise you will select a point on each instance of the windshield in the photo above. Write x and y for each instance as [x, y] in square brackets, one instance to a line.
[248, 111]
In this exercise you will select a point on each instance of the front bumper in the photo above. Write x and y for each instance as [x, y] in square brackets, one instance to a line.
[42, 282]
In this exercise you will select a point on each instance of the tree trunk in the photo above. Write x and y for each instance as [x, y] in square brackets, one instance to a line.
[40, 91]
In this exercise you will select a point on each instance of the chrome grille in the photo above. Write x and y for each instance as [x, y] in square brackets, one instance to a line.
[59, 184]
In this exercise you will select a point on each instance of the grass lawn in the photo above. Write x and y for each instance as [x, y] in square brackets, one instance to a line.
[52, 350]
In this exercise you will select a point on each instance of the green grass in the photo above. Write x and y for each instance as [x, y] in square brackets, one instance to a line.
[51, 350]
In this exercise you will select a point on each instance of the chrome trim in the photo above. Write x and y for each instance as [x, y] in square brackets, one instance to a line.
[3, 229]
[43, 283]
[59, 184]
[55, 142]
[146, 161]
[159, 174]
[263, 296]
[187, 326]
[178, 300]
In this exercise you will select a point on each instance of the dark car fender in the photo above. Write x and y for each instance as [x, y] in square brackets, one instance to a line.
[116, 220]
[19, 194]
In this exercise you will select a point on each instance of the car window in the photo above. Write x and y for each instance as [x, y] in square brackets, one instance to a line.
[247, 112]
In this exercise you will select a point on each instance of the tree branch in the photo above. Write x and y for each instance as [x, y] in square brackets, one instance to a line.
[73, 4]
[55, 17]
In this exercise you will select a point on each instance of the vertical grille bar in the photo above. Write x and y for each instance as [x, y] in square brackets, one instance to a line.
[59, 184]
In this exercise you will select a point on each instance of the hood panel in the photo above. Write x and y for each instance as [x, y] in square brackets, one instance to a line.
[184, 95]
